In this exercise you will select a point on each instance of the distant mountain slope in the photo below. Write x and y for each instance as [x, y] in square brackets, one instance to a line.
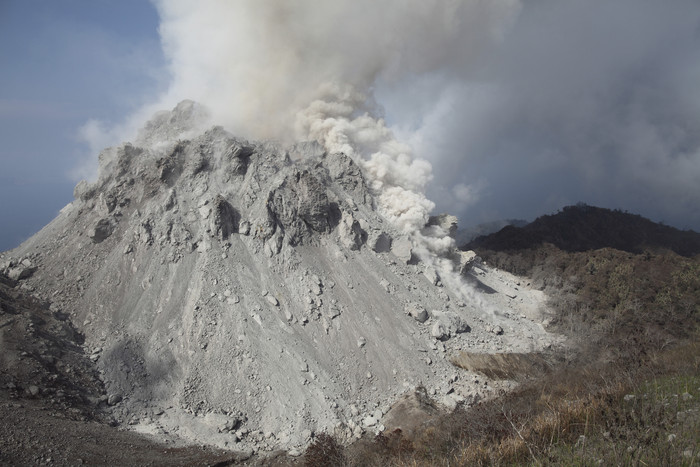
[582, 228]
[468, 234]
[616, 281]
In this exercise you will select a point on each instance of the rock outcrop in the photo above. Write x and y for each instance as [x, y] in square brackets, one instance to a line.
[245, 295]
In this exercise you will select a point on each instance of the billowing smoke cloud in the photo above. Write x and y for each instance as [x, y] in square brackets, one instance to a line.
[520, 107]
[307, 70]
[593, 101]
[257, 63]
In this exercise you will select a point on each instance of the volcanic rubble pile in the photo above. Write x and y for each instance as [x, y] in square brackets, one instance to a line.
[248, 295]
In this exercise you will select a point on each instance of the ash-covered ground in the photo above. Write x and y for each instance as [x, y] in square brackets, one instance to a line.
[247, 295]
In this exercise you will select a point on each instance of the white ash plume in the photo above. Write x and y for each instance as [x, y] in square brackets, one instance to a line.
[307, 71]
[395, 175]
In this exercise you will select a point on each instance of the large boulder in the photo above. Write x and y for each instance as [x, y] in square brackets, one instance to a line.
[351, 234]
[225, 219]
[403, 249]
[20, 270]
[447, 324]
[237, 158]
[346, 173]
[380, 242]
[101, 230]
[417, 311]
[466, 260]
[300, 205]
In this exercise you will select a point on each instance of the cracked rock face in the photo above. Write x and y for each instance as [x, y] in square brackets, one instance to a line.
[243, 285]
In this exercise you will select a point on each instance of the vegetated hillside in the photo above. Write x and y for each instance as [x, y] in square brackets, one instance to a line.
[628, 394]
[582, 228]
[607, 268]
[628, 290]
[467, 234]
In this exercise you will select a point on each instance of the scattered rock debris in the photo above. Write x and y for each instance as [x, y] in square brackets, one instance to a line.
[209, 270]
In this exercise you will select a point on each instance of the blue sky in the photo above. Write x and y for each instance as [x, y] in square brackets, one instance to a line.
[63, 63]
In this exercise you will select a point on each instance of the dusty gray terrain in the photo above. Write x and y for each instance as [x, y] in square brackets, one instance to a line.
[52, 402]
[246, 296]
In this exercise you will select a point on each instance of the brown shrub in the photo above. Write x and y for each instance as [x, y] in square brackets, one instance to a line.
[325, 451]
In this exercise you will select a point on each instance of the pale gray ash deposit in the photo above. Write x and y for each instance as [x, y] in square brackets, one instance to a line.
[248, 295]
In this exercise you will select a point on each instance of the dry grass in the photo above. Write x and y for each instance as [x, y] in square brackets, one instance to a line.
[620, 418]
[511, 366]
[629, 396]
[647, 415]
[325, 451]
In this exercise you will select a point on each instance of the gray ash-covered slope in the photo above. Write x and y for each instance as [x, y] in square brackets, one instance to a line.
[246, 295]
[41, 356]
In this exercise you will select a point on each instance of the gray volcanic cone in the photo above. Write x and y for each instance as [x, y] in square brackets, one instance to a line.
[246, 295]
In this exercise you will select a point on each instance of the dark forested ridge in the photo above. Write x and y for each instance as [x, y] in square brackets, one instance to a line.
[582, 227]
